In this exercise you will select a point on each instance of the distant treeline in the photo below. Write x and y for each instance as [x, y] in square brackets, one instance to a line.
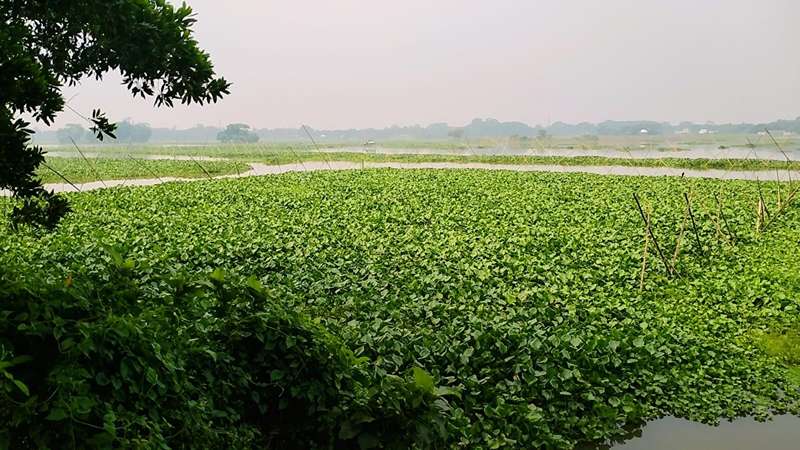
[133, 133]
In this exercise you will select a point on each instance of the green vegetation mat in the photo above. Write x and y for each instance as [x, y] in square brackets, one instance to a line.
[78, 170]
[402, 308]
[701, 164]
[282, 154]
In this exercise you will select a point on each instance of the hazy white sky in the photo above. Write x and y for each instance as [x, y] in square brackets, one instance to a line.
[375, 63]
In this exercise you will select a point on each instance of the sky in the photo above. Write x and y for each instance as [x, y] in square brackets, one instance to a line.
[376, 63]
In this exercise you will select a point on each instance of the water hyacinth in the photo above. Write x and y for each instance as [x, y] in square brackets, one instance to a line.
[518, 301]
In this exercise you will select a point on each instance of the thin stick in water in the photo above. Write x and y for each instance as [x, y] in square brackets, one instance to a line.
[680, 239]
[91, 166]
[62, 176]
[299, 159]
[761, 196]
[731, 234]
[788, 160]
[652, 235]
[644, 260]
[308, 133]
[201, 168]
[147, 169]
[694, 224]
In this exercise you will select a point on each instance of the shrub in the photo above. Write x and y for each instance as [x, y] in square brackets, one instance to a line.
[175, 361]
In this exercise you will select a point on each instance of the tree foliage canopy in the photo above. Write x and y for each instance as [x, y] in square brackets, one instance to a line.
[237, 132]
[129, 132]
[72, 132]
[47, 44]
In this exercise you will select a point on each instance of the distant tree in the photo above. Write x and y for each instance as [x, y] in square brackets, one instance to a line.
[47, 44]
[237, 132]
[71, 132]
[456, 133]
[136, 133]
[541, 133]
[435, 130]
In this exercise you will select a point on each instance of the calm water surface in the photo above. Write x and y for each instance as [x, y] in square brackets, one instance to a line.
[670, 433]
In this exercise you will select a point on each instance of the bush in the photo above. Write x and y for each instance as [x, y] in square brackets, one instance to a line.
[184, 362]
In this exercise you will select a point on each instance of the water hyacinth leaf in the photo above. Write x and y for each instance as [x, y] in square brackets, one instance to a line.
[422, 379]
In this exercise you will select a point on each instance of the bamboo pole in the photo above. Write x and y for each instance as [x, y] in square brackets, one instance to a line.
[669, 269]
[680, 240]
[644, 259]
[694, 224]
[731, 234]
[62, 176]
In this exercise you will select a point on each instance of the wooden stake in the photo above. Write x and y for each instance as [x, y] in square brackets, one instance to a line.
[147, 169]
[731, 234]
[644, 259]
[669, 268]
[680, 240]
[761, 196]
[91, 166]
[759, 215]
[61, 176]
[694, 225]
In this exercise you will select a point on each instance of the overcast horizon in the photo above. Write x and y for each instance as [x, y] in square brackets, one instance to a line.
[374, 64]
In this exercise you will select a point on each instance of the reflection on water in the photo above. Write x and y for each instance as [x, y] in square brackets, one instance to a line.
[670, 433]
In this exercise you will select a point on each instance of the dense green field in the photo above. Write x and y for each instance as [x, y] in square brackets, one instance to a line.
[515, 302]
[701, 164]
[78, 170]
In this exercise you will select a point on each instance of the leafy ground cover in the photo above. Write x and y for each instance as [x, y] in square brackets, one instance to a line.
[78, 170]
[461, 309]
[723, 164]
[687, 163]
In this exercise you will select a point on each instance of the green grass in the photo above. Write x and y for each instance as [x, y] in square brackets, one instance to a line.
[784, 345]
[794, 375]
[78, 170]
[518, 292]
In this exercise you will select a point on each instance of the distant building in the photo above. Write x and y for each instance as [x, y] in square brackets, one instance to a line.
[703, 131]
[683, 131]
[644, 131]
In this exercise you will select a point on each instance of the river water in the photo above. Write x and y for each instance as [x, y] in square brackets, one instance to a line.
[670, 433]
[259, 169]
